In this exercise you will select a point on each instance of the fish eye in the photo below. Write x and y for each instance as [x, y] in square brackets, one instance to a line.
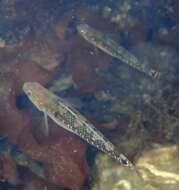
[29, 93]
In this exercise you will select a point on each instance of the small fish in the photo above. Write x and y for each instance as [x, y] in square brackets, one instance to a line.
[70, 119]
[109, 46]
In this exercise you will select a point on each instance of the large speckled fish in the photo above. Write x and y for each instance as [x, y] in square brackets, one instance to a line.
[109, 46]
[70, 119]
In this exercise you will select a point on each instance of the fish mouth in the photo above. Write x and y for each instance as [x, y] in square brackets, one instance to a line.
[26, 87]
[30, 86]
[82, 28]
[29, 89]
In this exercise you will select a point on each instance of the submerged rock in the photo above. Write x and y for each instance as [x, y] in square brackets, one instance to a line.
[12, 120]
[157, 169]
[110, 175]
[8, 170]
[46, 52]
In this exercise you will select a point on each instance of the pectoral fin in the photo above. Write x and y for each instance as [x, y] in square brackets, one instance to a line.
[46, 127]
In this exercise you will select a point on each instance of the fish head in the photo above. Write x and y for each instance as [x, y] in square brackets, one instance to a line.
[34, 92]
[83, 29]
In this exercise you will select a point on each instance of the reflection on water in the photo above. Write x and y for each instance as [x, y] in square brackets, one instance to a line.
[40, 42]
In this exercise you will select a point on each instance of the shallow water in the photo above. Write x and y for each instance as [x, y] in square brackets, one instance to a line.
[39, 42]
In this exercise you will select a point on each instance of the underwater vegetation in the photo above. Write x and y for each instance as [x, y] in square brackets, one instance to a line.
[121, 75]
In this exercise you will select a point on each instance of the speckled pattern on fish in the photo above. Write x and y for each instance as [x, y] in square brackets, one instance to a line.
[70, 119]
[109, 46]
